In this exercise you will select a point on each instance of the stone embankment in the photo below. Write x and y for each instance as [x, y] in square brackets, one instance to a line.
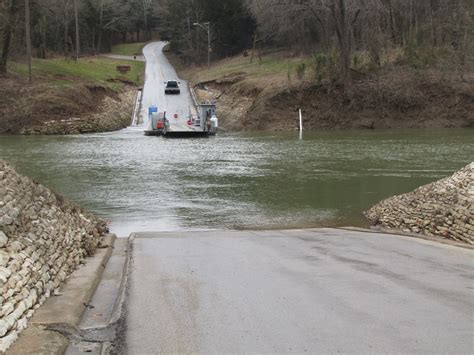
[444, 208]
[43, 238]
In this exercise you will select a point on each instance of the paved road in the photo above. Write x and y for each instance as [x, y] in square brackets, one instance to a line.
[158, 70]
[321, 290]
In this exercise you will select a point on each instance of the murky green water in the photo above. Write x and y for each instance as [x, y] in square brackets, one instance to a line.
[237, 180]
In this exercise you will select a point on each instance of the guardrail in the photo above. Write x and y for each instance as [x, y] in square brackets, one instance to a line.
[193, 95]
[137, 108]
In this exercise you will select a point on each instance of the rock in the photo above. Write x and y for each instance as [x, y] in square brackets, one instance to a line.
[7, 341]
[4, 274]
[3, 239]
[6, 309]
[6, 220]
[4, 326]
[443, 208]
[48, 237]
[4, 258]
[21, 324]
[15, 246]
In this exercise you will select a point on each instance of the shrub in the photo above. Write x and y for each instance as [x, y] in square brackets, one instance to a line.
[300, 71]
[324, 66]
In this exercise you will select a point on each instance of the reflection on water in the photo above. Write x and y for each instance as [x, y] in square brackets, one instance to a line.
[237, 180]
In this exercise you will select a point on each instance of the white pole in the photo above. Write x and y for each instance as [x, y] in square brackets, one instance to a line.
[301, 121]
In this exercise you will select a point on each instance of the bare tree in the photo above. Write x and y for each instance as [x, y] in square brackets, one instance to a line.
[344, 24]
[76, 19]
[282, 22]
[146, 10]
[28, 36]
[66, 29]
[11, 8]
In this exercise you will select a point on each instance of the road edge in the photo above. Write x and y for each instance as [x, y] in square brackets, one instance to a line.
[66, 308]
[119, 312]
[419, 236]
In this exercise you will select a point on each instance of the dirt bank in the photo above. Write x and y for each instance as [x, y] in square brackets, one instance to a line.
[42, 108]
[265, 97]
[396, 99]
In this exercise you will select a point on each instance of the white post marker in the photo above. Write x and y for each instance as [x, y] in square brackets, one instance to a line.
[301, 125]
[301, 121]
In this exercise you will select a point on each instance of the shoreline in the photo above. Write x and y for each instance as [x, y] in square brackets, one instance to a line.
[112, 113]
[65, 97]
[396, 96]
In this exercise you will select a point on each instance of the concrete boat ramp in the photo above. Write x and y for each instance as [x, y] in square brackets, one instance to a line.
[286, 291]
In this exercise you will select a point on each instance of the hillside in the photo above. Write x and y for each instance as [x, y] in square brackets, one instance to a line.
[67, 97]
[423, 91]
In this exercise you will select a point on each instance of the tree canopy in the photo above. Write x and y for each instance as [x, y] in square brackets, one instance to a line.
[338, 26]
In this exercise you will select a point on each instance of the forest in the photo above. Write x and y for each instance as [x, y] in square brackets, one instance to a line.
[331, 29]
[87, 27]
[55, 23]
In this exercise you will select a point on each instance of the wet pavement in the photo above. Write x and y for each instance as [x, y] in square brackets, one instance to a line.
[316, 291]
[158, 70]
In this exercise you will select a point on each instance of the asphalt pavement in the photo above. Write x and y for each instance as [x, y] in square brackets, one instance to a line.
[298, 291]
[158, 70]
[295, 291]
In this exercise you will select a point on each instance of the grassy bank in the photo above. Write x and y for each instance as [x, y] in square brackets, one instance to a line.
[94, 70]
[271, 69]
[128, 49]
[422, 89]
[66, 96]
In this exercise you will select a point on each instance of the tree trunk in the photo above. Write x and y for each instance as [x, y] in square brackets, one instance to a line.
[190, 36]
[76, 16]
[93, 41]
[392, 22]
[43, 38]
[412, 21]
[324, 35]
[464, 49]
[433, 27]
[101, 21]
[7, 36]
[145, 18]
[28, 36]
[343, 33]
[253, 47]
[12, 14]
[66, 29]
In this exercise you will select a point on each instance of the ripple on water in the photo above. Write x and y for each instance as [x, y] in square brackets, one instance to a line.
[237, 180]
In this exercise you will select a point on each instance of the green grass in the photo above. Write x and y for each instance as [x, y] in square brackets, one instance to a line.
[269, 66]
[128, 49]
[272, 71]
[98, 70]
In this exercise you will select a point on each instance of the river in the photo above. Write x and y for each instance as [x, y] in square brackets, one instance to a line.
[244, 180]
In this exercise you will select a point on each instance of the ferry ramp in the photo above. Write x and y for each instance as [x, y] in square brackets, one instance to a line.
[177, 107]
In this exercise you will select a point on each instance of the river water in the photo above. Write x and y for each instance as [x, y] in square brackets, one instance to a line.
[245, 180]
